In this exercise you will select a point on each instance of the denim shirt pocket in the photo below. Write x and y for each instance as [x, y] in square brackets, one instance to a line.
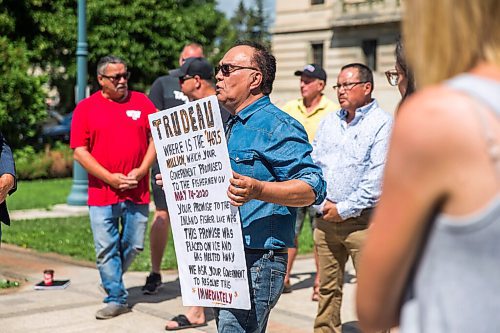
[243, 162]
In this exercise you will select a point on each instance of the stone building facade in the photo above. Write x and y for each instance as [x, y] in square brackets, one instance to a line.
[334, 33]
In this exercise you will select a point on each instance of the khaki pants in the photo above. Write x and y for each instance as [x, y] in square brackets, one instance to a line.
[335, 242]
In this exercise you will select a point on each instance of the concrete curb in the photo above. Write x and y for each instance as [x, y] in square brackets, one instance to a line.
[57, 211]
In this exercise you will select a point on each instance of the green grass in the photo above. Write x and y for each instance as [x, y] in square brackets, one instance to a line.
[306, 241]
[73, 237]
[41, 194]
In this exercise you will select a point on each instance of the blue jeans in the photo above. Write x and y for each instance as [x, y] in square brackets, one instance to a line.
[118, 232]
[267, 274]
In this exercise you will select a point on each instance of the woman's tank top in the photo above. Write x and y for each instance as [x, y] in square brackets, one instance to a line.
[456, 287]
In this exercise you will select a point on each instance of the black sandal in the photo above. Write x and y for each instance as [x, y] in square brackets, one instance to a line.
[183, 323]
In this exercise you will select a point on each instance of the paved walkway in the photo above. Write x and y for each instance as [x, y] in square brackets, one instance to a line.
[73, 309]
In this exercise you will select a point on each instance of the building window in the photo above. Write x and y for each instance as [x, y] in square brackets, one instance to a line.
[317, 2]
[317, 53]
[369, 47]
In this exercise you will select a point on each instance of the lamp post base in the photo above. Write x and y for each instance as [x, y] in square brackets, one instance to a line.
[79, 190]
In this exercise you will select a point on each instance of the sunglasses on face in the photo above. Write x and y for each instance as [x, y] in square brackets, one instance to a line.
[392, 77]
[117, 77]
[185, 78]
[227, 69]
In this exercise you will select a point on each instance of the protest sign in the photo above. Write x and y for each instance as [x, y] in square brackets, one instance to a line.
[194, 162]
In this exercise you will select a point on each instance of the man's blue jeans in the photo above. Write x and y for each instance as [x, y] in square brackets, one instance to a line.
[118, 232]
[267, 274]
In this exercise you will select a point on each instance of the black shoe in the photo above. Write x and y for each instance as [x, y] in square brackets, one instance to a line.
[153, 283]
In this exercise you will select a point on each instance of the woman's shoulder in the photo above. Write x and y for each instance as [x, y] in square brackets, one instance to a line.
[428, 101]
[436, 107]
[435, 119]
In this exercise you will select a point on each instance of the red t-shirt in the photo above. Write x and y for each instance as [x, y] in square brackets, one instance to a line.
[117, 136]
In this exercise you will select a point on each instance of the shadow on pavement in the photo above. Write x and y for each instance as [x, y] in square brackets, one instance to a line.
[306, 280]
[167, 291]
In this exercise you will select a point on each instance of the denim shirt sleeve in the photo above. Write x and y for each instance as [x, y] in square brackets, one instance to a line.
[7, 162]
[290, 156]
[369, 189]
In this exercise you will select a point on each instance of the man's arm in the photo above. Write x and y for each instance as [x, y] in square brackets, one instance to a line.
[7, 171]
[89, 163]
[292, 193]
[299, 181]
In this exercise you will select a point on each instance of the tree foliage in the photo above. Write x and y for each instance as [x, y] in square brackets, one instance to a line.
[252, 23]
[148, 34]
[22, 98]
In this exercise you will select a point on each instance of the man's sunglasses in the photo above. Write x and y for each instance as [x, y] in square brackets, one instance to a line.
[185, 78]
[227, 69]
[117, 77]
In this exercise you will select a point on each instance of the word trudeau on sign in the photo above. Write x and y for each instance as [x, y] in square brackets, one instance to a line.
[190, 120]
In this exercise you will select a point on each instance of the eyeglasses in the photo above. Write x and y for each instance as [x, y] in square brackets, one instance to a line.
[227, 69]
[392, 77]
[185, 78]
[117, 77]
[347, 86]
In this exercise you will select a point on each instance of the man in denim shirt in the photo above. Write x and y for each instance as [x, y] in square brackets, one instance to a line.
[350, 147]
[272, 174]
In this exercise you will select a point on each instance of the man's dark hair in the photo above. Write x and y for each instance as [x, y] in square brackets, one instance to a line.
[105, 61]
[364, 72]
[265, 62]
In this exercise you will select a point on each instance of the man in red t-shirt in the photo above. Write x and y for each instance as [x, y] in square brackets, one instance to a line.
[111, 139]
